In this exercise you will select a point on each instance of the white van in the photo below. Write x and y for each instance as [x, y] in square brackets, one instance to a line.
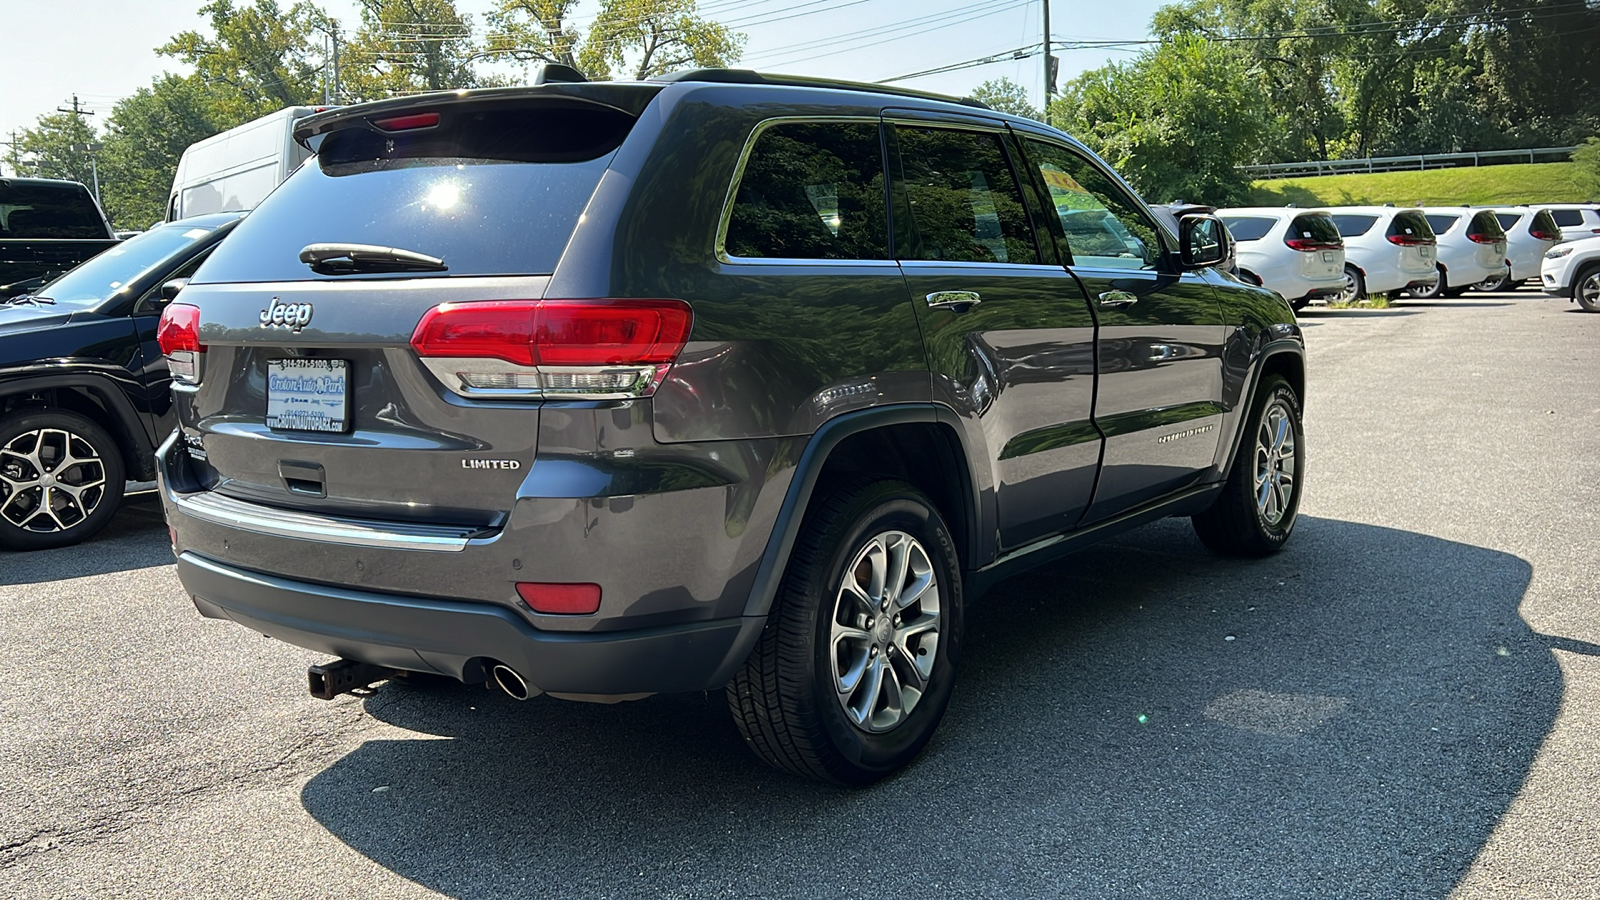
[235, 170]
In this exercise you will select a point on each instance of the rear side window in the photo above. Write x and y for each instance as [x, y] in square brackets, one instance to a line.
[1567, 218]
[1441, 224]
[965, 202]
[49, 211]
[1315, 227]
[1411, 224]
[1248, 228]
[812, 191]
[1507, 220]
[1352, 225]
[490, 192]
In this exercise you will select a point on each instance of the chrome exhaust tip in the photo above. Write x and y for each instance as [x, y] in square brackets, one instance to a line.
[507, 679]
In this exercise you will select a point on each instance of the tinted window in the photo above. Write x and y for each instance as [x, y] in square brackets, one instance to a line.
[1411, 224]
[1351, 225]
[1442, 223]
[494, 193]
[1315, 227]
[107, 273]
[965, 203]
[49, 211]
[1485, 223]
[1248, 228]
[1104, 226]
[1544, 226]
[1567, 218]
[1507, 220]
[812, 191]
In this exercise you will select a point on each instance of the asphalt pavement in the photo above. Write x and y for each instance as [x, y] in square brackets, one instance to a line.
[1404, 703]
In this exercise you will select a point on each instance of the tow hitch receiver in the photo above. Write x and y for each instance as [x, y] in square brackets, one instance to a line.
[343, 676]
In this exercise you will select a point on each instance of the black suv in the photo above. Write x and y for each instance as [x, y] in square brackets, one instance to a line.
[83, 387]
[718, 380]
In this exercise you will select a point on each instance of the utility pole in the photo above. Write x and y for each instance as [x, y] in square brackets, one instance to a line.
[1049, 62]
[77, 108]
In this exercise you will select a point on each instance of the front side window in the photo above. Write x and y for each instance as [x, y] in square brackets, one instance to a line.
[965, 203]
[1104, 226]
[812, 190]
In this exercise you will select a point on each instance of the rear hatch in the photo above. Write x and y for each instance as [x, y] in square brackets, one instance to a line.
[1488, 239]
[1319, 246]
[310, 394]
[1413, 237]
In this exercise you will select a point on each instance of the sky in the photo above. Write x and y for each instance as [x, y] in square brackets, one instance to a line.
[102, 50]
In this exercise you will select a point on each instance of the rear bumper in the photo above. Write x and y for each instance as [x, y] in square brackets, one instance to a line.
[458, 639]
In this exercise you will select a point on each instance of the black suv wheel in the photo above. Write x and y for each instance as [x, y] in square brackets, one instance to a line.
[856, 664]
[61, 479]
[1261, 500]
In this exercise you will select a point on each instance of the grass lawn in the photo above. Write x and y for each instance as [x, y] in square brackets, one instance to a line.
[1479, 186]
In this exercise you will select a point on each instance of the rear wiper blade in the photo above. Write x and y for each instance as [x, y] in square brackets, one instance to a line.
[349, 259]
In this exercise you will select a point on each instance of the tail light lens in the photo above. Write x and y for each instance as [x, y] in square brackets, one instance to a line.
[1480, 238]
[595, 349]
[1545, 236]
[1410, 240]
[178, 335]
[1308, 245]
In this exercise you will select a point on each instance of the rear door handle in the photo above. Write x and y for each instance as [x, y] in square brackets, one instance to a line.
[959, 301]
[1118, 298]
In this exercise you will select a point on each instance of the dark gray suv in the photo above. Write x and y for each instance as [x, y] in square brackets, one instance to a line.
[721, 380]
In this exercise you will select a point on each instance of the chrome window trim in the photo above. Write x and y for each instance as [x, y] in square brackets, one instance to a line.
[762, 128]
[220, 509]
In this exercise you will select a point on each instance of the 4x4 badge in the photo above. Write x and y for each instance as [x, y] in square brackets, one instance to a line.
[293, 316]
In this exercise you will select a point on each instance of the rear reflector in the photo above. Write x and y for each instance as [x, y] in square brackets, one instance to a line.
[599, 349]
[560, 599]
[178, 336]
[408, 122]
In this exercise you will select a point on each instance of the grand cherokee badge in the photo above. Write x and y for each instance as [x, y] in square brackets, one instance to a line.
[293, 316]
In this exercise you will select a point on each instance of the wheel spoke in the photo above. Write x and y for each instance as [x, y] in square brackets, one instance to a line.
[864, 699]
[899, 562]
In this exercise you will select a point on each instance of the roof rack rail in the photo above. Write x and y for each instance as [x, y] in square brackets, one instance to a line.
[750, 76]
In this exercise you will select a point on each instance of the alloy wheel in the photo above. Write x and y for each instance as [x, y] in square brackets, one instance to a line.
[50, 480]
[1275, 469]
[1589, 291]
[1352, 291]
[884, 635]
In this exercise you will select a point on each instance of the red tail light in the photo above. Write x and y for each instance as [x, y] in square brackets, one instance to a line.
[1410, 240]
[1308, 245]
[595, 348]
[1483, 238]
[178, 336]
[409, 122]
[562, 599]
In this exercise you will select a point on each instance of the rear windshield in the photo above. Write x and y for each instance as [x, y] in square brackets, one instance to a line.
[1486, 223]
[49, 211]
[1411, 224]
[1352, 225]
[492, 192]
[1317, 227]
[1544, 226]
[1248, 228]
[1441, 223]
[1507, 220]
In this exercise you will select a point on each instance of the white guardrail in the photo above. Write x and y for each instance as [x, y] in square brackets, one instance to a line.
[1407, 163]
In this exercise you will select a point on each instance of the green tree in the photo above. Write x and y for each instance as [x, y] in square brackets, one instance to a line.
[146, 133]
[650, 37]
[1005, 95]
[405, 46]
[1175, 120]
[535, 29]
[1587, 158]
[45, 150]
[261, 58]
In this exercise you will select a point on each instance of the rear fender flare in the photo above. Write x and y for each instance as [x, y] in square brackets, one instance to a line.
[125, 424]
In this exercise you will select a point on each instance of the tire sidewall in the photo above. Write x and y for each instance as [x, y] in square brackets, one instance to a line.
[874, 754]
[1275, 389]
[1577, 288]
[12, 537]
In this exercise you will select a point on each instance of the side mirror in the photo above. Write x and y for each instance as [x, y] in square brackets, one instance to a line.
[1204, 241]
[169, 291]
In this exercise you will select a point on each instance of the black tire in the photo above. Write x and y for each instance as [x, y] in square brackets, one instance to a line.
[1586, 289]
[1438, 289]
[1355, 285]
[24, 524]
[1236, 524]
[784, 700]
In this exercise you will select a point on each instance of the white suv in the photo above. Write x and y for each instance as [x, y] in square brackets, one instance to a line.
[1530, 232]
[1386, 249]
[1576, 220]
[1296, 252]
[1573, 269]
[1471, 249]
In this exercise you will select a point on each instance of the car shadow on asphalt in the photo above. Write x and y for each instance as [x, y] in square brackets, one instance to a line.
[1349, 717]
[1352, 313]
[135, 538]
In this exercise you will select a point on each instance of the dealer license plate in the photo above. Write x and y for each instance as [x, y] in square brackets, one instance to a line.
[1327, 256]
[308, 394]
